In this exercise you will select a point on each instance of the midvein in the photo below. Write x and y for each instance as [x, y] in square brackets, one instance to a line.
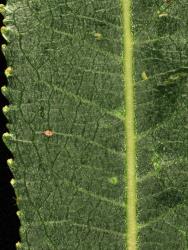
[130, 144]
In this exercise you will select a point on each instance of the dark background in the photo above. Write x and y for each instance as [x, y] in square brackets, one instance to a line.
[9, 222]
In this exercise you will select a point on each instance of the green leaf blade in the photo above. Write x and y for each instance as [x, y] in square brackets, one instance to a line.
[161, 52]
[68, 78]
[63, 81]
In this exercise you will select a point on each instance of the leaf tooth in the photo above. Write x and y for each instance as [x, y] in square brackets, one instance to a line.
[9, 32]
[4, 90]
[6, 109]
[2, 9]
[4, 48]
[19, 214]
[6, 9]
[10, 162]
[7, 138]
[18, 245]
[4, 32]
[9, 71]
[7, 135]
[13, 182]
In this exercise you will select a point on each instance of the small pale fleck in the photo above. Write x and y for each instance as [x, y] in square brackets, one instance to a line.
[48, 133]
[98, 36]
[144, 76]
[113, 180]
[174, 77]
[156, 162]
[163, 14]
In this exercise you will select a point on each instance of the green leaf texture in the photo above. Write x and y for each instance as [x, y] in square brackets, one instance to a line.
[67, 60]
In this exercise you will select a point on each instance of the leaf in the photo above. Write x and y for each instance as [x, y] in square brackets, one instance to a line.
[72, 123]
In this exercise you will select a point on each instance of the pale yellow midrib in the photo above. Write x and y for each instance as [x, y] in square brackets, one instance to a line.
[130, 144]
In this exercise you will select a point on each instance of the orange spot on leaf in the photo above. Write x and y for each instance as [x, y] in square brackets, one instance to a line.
[48, 133]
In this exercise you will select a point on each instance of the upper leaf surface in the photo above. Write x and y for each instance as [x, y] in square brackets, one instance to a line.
[67, 62]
